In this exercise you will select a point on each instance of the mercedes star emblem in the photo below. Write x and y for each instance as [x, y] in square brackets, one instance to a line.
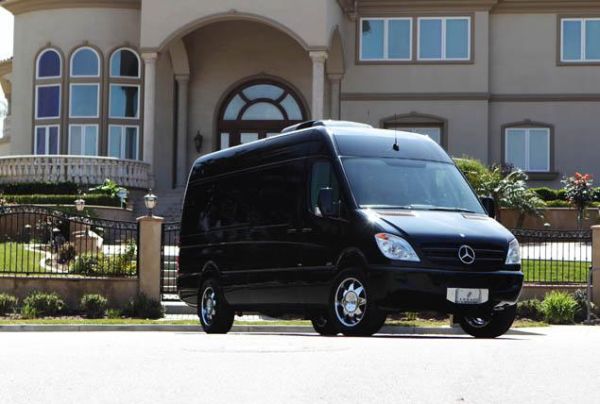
[466, 254]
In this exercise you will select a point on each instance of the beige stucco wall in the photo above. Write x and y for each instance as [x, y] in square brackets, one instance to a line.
[65, 29]
[164, 130]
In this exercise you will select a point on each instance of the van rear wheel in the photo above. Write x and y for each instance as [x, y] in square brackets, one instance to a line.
[215, 314]
[350, 308]
[323, 324]
[491, 325]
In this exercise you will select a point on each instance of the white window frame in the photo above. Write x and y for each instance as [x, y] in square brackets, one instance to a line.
[47, 135]
[83, 127]
[97, 85]
[386, 39]
[582, 37]
[37, 117]
[110, 101]
[85, 76]
[527, 130]
[124, 142]
[37, 65]
[139, 76]
[443, 39]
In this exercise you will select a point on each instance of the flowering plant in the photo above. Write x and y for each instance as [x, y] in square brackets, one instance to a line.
[579, 192]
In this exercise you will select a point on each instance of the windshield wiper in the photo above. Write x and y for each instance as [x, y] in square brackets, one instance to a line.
[387, 207]
[450, 209]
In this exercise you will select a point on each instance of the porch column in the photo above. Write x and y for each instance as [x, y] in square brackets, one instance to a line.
[334, 83]
[318, 83]
[149, 99]
[182, 128]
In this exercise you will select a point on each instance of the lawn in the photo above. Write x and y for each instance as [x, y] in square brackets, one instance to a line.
[19, 258]
[548, 271]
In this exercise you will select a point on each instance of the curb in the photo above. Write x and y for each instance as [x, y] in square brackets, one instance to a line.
[275, 329]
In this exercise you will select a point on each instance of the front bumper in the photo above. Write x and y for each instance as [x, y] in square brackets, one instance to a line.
[400, 288]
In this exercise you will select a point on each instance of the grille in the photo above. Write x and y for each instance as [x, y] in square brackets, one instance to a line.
[486, 258]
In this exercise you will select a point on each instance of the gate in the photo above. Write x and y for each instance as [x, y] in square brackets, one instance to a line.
[168, 254]
[40, 241]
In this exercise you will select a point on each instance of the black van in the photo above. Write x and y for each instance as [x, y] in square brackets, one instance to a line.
[343, 224]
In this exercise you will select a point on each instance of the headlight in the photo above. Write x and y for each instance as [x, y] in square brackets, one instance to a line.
[514, 253]
[395, 248]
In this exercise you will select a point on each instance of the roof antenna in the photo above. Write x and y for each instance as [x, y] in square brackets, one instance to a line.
[395, 146]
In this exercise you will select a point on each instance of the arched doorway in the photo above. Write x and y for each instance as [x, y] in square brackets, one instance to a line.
[258, 109]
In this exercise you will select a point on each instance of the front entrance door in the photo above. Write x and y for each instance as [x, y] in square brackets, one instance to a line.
[258, 109]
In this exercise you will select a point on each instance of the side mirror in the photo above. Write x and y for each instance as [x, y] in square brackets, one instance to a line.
[325, 202]
[490, 206]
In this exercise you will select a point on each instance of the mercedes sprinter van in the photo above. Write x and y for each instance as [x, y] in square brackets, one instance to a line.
[343, 224]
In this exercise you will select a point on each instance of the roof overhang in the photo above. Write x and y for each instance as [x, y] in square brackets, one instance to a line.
[24, 6]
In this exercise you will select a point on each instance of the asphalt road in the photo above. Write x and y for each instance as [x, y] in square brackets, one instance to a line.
[543, 365]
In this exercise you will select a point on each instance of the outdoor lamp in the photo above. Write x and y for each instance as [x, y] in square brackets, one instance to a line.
[198, 141]
[79, 204]
[150, 200]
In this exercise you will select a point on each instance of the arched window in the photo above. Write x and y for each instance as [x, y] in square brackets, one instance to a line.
[124, 105]
[85, 62]
[48, 102]
[258, 109]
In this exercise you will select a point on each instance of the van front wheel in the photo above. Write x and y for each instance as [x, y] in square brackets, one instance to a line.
[491, 325]
[215, 314]
[350, 308]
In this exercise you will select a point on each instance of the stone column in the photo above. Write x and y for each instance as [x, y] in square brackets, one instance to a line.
[149, 255]
[596, 265]
[149, 106]
[334, 84]
[182, 128]
[318, 83]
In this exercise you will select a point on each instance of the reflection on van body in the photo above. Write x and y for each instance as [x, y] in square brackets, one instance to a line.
[343, 224]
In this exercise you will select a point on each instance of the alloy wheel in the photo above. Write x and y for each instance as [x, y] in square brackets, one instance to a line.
[350, 302]
[208, 308]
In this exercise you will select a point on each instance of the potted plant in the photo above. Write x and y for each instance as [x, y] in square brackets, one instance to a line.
[579, 193]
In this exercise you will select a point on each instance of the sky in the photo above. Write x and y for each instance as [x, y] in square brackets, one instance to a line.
[6, 34]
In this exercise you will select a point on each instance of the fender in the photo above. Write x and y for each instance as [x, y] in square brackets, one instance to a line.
[350, 255]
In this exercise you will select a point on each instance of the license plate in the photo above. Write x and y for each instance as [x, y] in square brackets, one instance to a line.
[467, 296]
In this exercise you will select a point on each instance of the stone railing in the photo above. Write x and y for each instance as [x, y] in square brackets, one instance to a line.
[79, 169]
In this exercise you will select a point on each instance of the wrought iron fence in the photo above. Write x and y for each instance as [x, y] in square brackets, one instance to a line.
[555, 256]
[61, 242]
[169, 254]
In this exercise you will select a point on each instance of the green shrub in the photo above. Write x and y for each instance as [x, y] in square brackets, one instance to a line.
[93, 305]
[530, 309]
[546, 194]
[118, 265]
[143, 307]
[37, 199]
[66, 253]
[558, 204]
[559, 308]
[42, 188]
[580, 297]
[473, 169]
[114, 313]
[8, 304]
[40, 304]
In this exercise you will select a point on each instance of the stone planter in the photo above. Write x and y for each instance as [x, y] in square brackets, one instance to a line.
[559, 219]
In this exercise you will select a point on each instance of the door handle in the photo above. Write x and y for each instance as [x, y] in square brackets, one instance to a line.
[306, 230]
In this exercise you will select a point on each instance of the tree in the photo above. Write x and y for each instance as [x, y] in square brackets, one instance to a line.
[579, 193]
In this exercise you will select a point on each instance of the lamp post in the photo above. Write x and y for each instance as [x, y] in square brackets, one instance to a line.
[150, 200]
[79, 204]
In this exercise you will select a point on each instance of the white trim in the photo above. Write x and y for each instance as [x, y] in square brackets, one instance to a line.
[97, 85]
[528, 130]
[582, 39]
[110, 101]
[97, 59]
[46, 135]
[37, 65]
[122, 146]
[443, 38]
[386, 39]
[139, 76]
[83, 128]
[37, 118]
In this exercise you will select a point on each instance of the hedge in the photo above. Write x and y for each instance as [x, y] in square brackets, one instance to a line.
[43, 188]
[93, 199]
[549, 194]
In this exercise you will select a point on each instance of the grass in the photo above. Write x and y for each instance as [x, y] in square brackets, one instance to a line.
[555, 271]
[14, 257]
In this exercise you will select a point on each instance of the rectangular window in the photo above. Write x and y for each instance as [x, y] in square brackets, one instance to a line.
[247, 137]
[83, 140]
[385, 39]
[84, 101]
[124, 101]
[580, 40]
[434, 132]
[123, 142]
[46, 139]
[47, 102]
[528, 148]
[444, 38]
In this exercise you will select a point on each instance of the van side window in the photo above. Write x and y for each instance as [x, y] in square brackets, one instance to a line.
[280, 192]
[322, 176]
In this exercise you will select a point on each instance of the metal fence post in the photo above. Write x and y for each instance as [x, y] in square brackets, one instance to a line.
[596, 265]
[149, 255]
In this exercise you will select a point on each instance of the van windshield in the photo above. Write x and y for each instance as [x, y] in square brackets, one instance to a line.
[392, 183]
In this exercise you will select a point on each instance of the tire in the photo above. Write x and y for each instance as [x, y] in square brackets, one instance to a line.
[491, 325]
[215, 314]
[323, 325]
[351, 311]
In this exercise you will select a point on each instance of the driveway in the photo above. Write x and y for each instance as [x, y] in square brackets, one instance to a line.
[541, 365]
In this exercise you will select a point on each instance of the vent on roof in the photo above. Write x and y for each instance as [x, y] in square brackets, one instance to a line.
[327, 122]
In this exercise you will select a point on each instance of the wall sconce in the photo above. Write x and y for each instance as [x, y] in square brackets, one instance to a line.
[198, 141]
